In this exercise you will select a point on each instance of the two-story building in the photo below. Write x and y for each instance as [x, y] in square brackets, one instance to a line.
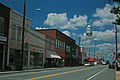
[34, 44]
[4, 29]
[65, 46]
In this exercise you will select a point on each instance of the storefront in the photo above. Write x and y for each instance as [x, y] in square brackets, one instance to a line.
[52, 59]
[35, 57]
[15, 59]
[4, 27]
[36, 60]
[2, 55]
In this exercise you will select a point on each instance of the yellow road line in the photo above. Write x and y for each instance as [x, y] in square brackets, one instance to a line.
[60, 73]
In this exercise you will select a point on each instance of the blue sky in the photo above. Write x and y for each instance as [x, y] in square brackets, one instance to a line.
[72, 17]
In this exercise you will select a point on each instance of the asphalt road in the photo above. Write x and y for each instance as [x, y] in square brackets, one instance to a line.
[99, 72]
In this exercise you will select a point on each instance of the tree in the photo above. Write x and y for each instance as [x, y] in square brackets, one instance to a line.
[114, 0]
[116, 11]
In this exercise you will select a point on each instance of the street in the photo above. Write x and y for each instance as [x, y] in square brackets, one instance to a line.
[99, 72]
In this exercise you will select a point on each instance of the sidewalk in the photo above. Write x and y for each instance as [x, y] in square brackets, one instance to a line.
[117, 75]
[31, 70]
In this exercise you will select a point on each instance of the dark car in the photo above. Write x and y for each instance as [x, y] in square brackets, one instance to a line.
[111, 65]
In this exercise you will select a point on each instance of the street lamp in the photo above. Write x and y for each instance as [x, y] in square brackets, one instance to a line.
[89, 33]
[22, 45]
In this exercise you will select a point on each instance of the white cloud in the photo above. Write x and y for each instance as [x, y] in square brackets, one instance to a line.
[108, 35]
[54, 19]
[104, 15]
[38, 28]
[67, 33]
[63, 22]
[79, 21]
[68, 26]
[74, 34]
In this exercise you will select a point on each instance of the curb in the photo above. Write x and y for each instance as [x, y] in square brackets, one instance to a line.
[31, 70]
[117, 75]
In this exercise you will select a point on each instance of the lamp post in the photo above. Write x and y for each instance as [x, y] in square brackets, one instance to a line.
[89, 33]
[22, 45]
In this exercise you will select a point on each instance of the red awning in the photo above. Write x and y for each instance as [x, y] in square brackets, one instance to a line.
[90, 59]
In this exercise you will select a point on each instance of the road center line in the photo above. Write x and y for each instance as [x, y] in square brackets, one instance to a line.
[61, 73]
[12, 75]
[96, 74]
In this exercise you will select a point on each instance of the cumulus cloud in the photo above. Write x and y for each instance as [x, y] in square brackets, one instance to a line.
[54, 19]
[79, 21]
[74, 34]
[105, 46]
[38, 28]
[63, 22]
[67, 33]
[104, 15]
[107, 35]
[68, 26]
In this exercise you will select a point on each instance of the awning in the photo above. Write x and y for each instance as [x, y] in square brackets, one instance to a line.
[90, 59]
[51, 54]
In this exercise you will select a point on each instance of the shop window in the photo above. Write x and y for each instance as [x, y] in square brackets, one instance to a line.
[38, 59]
[56, 43]
[19, 34]
[12, 57]
[31, 59]
[13, 34]
[25, 58]
[2, 25]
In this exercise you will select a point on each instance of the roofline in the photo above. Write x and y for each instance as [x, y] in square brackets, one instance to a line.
[4, 5]
[54, 29]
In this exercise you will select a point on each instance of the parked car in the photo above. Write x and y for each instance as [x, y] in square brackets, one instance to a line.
[111, 65]
[91, 63]
[95, 63]
[87, 64]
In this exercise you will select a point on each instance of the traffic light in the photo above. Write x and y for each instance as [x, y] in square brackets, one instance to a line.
[97, 54]
[102, 55]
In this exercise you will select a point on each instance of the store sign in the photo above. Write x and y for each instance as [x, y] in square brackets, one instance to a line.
[2, 38]
[34, 49]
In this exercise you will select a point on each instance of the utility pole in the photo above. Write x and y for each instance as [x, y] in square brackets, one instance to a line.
[94, 53]
[22, 47]
[79, 41]
[116, 46]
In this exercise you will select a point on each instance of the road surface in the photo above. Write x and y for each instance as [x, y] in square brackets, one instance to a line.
[99, 72]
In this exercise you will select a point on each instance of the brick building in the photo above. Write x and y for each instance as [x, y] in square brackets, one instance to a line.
[65, 46]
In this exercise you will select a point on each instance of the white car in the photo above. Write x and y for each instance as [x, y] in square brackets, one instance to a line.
[87, 64]
[95, 63]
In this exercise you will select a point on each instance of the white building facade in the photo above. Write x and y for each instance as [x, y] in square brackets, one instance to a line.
[84, 55]
[34, 46]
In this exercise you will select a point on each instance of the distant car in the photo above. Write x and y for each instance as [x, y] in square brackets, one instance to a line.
[91, 63]
[111, 65]
[95, 63]
[87, 64]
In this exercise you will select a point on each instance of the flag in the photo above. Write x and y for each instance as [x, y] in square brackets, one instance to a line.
[25, 40]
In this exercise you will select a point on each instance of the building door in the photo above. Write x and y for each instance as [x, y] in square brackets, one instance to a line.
[18, 60]
[1, 56]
